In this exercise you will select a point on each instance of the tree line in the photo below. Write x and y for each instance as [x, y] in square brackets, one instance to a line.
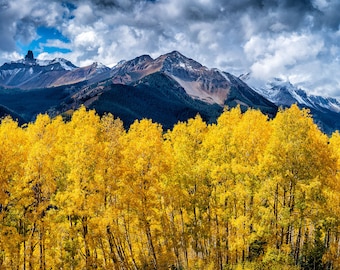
[246, 191]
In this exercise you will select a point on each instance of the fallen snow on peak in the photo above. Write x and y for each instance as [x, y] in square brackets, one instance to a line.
[65, 64]
[282, 92]
[326, 102]
[176, 59]
[119, 64]
[185, 65]
[223, 74]
[100, 67]
[245, 76]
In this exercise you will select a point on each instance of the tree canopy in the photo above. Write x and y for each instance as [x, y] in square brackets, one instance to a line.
[246, 190]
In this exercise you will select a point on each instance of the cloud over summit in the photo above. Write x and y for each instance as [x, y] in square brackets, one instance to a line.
[296, 39]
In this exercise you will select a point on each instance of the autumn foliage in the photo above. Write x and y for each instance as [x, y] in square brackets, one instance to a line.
[247, 191]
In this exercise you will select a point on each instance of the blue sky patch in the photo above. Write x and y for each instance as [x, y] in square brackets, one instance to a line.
[42, 45]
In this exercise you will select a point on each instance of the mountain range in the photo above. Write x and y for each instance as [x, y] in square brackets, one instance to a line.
[167, 89]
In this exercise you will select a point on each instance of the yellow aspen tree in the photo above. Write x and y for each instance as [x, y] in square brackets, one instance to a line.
[247, 144]
[332, 220]
[174, 199]
[12, 156]
[218, 161]
[188, 176]
[52, 147]
[295, 166]
[77, 203]
[108, 179]
[38, 184]
[143, 167]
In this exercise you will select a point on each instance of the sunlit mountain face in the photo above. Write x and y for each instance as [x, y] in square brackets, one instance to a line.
[167, 89]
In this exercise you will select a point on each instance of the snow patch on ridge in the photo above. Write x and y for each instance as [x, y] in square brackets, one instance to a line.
[282, 92]
[223, 74]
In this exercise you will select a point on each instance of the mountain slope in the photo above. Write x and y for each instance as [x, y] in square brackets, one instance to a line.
[7, 112]
[156, 96]
[28, 104]
[168, 89]
[244, 95]
[325, 111]
[208, 85]
[92, 73]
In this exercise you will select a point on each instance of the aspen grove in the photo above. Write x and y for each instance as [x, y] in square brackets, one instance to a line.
[246, 191]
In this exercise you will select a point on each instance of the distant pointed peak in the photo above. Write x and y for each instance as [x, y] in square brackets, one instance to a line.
[99, 65]
[138, 59]
[245, 76]
[179, 60]
[119, 64]
[144, 57]
[29, 56]
[175, 53]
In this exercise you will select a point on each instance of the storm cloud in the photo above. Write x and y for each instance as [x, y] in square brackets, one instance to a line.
[296, 40]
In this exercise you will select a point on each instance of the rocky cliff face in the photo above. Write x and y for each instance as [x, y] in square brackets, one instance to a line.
[29, 56]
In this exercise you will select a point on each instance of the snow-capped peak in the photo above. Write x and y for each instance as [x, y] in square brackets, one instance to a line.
[176, 59]
[222, 73]
[30, 61]
[65, 64]
[119, 64]
[99, 67]
[284, 93]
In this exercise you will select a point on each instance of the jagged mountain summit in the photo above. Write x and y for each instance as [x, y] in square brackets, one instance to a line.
[284, 93]
[167, 89]
[192, 76]
[29, 56]
[31, 73]
[211, 86]
[325, 110]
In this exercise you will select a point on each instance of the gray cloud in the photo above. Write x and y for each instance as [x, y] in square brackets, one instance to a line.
[296, 39]
[7, 31]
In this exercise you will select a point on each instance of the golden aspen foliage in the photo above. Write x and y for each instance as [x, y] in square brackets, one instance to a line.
[12, 157]
[247, 145]
[37, 186]
[78, 203]
[332, 219]
[217, 148]
[143, 166]
[296, 164]
[246, 192]
[189, 181]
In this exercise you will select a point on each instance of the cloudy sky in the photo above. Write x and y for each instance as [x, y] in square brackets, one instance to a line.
[297, 40]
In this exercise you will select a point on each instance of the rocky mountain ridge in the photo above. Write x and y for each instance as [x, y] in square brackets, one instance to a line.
[31, 73]
[208, 85]
[325, 110]
[284, 93]
[168, 89]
